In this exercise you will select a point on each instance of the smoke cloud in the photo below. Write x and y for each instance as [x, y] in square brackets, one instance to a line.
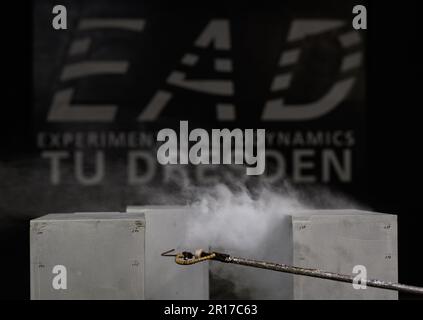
[252, 223]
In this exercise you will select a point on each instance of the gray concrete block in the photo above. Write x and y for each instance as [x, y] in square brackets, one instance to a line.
[165, 229]
[338, 240]
[103, 255]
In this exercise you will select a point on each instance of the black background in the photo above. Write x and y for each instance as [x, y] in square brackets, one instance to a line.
[394, 161]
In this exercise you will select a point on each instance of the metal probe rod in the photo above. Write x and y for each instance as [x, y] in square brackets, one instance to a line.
[187, 258]
[316, 273]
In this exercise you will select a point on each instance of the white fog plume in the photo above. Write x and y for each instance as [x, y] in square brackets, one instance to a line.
[237, 219]
[253, 225]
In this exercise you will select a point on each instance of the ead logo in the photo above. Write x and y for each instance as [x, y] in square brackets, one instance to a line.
[216, 35]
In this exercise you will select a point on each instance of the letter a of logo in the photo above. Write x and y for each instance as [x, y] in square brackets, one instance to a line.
[60, 20]
[60, 280]
[359, 281]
